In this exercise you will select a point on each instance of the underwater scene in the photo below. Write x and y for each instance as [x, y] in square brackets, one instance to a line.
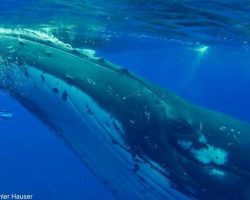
[125, 100]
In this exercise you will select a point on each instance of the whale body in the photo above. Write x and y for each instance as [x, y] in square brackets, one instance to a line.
[140, 140]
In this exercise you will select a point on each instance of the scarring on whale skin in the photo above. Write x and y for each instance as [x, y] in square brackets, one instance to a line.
[141, 141]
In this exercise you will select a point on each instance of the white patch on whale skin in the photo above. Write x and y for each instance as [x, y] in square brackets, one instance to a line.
[210, 155]
[36, 34]
[217, 172]
[89, 52]
[89, 133]
[185, 144]
[202, 139]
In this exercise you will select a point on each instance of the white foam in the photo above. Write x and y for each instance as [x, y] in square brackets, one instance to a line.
[36, 34]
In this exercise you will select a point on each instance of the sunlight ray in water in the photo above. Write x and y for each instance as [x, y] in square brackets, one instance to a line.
[201, 51]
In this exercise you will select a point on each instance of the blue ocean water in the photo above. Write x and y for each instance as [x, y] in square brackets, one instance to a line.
[196, 49]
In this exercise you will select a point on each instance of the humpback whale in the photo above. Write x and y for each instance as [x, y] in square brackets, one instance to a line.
[140, 140]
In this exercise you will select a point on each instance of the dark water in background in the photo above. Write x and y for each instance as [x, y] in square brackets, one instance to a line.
[197, 49]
